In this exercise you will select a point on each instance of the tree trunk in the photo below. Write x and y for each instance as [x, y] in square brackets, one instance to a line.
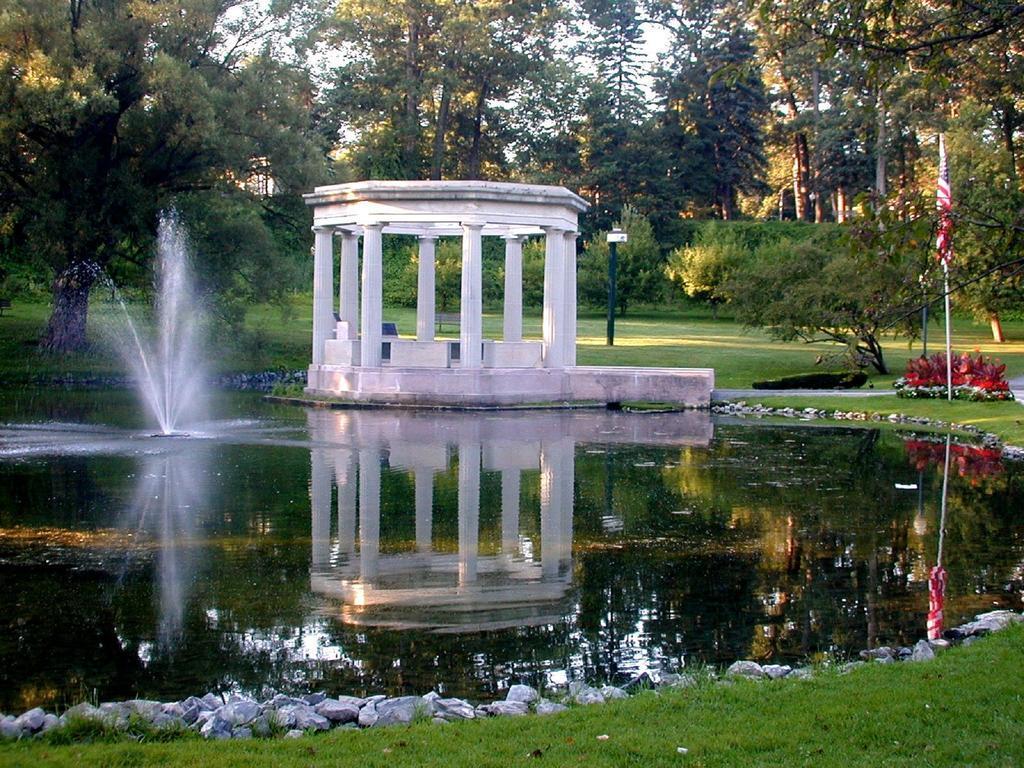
[473, 163]
[437, 161]
[841, 204]
[411, 118]
[801, 163]
[997, 328]
[880, 139]
[1009, 125]
[65, 330]
[819, 199]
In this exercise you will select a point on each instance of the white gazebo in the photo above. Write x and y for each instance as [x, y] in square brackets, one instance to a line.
[349, 357]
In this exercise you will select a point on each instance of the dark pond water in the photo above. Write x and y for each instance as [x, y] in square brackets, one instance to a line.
[355, 551]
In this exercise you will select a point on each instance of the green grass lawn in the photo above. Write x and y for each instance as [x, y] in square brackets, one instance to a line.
[963, 709]
[270, 338]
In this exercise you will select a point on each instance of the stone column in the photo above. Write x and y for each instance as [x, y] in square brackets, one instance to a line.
[471, 311]
[469, 510]
[425, 294]
[424, 509]
[369, 513]
[513, 326]
[372, 310]
[320, 508]
[569, 317]
[509, 510]
[554, 297]
[345, 477]
[348, 283]
[323, 290]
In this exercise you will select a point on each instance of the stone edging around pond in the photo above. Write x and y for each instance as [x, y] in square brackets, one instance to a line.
[740, 408]
[294, 717]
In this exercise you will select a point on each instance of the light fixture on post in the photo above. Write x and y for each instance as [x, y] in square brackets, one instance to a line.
[615, 237]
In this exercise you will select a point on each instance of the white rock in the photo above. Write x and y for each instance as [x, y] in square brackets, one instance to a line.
[922, 652]
[507, 708]
[749, 669]
[523, 693]
[549, 707]
[589, 696]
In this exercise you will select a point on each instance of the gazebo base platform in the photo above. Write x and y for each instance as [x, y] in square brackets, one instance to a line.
[504, 387]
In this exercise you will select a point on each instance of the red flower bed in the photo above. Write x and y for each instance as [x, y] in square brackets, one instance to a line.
[973, 378]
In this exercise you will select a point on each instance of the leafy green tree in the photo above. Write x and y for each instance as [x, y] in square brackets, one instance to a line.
[989, 215]
[641, 266]
[845, 288]
[113, 109]
[704, 270]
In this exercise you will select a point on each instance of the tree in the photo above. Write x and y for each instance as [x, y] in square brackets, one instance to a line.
[614, 42]
[712, 91]
[705, 269]
[844, 288]
[989, 212]
[425, 87]
[111, 109]
[641, 276]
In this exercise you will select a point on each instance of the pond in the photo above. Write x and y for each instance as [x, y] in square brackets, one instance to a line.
[375, 551]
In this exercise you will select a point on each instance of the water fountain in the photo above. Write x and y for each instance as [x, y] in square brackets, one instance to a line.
[167, 368]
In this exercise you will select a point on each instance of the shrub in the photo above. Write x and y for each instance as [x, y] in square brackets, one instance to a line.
[821, 380]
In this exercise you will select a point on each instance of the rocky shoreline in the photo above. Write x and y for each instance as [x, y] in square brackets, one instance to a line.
[987, 439]
[238, 717]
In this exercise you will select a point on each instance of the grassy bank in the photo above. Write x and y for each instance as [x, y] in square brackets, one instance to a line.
[268, 338]
[961, 709]
[1003, 419]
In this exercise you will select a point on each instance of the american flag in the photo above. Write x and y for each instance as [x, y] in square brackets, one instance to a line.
[944, 204]
[936, 601]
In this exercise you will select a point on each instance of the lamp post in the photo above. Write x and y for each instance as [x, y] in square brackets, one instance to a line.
[615, 237]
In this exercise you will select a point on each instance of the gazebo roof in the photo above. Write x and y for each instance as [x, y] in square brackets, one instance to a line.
[442, 207]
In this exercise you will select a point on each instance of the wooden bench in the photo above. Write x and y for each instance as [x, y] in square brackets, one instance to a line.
[4, 304]
[449, 318]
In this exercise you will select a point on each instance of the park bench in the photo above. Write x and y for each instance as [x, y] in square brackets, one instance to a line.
[447, 318]
[4, 304]
[387, 330]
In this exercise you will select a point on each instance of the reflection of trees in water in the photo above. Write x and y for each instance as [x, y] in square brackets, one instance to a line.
[788, 541]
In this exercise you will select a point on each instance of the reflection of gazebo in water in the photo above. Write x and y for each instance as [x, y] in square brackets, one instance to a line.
[352, 360]
[461, 591]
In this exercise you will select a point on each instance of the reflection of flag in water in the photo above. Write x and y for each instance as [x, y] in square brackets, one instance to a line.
[936, 599]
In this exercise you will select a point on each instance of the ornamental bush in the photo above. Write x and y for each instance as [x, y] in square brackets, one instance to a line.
[977, 378]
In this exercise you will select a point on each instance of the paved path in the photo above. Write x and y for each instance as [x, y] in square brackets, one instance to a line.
[733, 394]
[1017, 387]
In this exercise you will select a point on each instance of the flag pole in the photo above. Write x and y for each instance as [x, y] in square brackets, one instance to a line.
[949, 342]
[944, 246]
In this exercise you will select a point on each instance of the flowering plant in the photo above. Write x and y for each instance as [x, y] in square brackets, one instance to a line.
[973, 378]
